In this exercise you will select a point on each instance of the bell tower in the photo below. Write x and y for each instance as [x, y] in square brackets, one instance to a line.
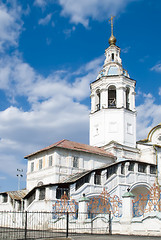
[113, 114]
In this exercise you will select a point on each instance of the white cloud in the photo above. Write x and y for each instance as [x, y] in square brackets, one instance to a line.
[56, 111]
[156, 68]
[40, 3]
[148, 116]
[10, 25]
[159, 91]
[81, 11]
[69, 31]
[126, 50]
[46, 20]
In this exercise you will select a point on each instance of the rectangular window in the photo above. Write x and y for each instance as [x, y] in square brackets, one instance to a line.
[141, 168]
[110, 171]
[4, 198]
[32, 166]
[123, 168]
[40, 164]
[42, 194]
[131, 166]
[82, 181]
[75, 162]
[153, 169]
[97, 178]
[50, 161]
[60, 192]
[31, 198]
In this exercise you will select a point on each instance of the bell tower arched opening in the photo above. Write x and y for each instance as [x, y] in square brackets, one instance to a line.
[98, 100]
[112, 97]
[127, 98]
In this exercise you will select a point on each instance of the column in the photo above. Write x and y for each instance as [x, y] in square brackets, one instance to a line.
[133, 101]
[92, 103]
[120, 95]
[37, 195]
[148, 173]
[83, 208]
[127, 207]
[104, 99]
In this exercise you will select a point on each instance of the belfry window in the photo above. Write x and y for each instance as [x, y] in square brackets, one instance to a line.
[112, 97]
[127, 98]
[98, 100]
[112, 57]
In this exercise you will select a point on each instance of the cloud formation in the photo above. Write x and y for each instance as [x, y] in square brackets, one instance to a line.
[46, 20]
[148, 115]
[55, 111]
[40, 3]
[82, 11]
[10, 25]
[156, 68]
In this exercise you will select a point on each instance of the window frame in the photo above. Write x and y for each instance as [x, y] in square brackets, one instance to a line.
[40, 163]
[42, 193]
[75, 162]
[50, 160]
[131, 167]
[142, 168]
[97, 178]
[4, 198]
[32, 167]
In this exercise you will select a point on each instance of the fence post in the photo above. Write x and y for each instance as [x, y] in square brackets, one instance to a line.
[127, 212]
[83, 208]
[25, 225]
[110, 224]
[67, 225]
[91, 223]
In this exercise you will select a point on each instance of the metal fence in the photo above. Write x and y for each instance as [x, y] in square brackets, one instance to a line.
[39, 225]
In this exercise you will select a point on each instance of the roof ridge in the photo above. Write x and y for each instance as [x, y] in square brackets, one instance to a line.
[68, 144]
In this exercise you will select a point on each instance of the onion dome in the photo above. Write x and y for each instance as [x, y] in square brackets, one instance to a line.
[112, 40]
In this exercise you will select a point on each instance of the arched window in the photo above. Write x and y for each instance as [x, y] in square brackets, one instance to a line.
[98, 100]
[112, 57]
[127, 98]
[112, 97]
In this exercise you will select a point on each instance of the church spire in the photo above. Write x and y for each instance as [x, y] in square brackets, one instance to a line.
[112, 39]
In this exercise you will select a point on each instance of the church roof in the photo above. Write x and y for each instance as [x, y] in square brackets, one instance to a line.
[17, 195]
[75, 177]
[74, 146]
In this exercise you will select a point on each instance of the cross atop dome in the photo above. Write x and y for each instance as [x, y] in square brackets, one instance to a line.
[112, 39]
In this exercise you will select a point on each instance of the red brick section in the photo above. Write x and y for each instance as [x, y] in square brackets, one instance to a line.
[66, 144]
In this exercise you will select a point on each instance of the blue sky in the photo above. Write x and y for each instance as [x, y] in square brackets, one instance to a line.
[50, 50]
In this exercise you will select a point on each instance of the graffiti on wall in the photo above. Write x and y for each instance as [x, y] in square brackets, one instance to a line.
[150, 202]
[105, 203]
[60, 207]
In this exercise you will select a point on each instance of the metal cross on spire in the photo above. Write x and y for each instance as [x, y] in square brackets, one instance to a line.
[111, 20]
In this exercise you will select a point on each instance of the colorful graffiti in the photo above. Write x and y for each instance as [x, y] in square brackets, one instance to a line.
[104, 203]
[64, 205]
[150, 202]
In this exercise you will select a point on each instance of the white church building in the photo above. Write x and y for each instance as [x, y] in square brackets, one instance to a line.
[112, 163]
